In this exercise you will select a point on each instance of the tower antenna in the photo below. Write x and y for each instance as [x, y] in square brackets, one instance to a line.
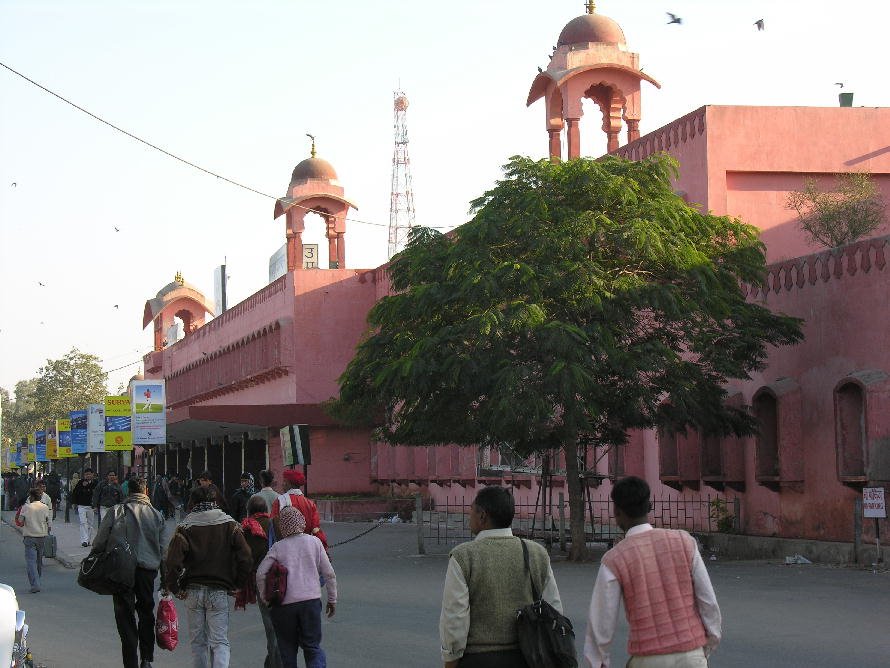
[401, 203]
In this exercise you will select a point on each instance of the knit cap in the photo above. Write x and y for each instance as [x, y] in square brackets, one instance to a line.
[291, 521]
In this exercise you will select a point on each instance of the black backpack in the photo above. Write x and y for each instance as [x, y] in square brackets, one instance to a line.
[546, 637]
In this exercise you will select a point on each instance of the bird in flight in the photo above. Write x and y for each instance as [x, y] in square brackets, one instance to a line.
[540, 70]
[759, 24]
[116, 229]
[116, 306]
[14, 184]
[674, 19]
[42, 285]
[839, 84]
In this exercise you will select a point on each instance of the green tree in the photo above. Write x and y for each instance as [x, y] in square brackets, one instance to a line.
[582, 300]
[68, 384]
[832, 218]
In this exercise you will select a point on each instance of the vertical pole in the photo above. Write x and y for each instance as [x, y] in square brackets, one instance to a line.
[857, 529]
[878, 558]
[737, 514]
[67, 490]
[418, 517]
[562, 522]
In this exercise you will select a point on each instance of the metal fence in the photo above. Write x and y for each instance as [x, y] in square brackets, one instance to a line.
[448, 522]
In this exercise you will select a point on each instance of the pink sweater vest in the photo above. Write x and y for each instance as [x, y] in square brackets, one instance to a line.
[654, 569]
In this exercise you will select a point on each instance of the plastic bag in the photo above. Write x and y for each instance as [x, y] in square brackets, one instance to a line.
[166, 624]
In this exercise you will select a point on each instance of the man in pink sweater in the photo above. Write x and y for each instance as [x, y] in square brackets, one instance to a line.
[668, 598]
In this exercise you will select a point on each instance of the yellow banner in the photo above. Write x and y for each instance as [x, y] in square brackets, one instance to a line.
[52, 443]
[32, 448]
[118, 432]
[63, 434]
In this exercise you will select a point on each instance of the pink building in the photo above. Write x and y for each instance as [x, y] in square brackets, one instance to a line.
[824, 405]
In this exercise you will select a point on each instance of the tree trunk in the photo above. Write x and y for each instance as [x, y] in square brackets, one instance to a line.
[578, 551]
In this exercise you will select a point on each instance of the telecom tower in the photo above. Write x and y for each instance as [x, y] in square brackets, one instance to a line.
[401, 204]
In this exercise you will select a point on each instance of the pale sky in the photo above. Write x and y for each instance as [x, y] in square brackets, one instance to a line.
[234, 87]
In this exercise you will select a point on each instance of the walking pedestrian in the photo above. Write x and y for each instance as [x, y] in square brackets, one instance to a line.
[295, 497]
[54, 490]
[486, 583]
[256, 533]
[297, 620]
[267, 491]
[240, 497]
[107, 493]
[206, 560]
[206, 480]
[668, 598]
[45, 498]
[142, 526]
[82, 498]
[33, 518]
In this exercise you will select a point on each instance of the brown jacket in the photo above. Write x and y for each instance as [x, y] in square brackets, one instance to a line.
[214, 555]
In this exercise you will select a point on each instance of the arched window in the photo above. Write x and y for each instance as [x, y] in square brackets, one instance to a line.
[849, 421]
[711, 457]
[766, 411]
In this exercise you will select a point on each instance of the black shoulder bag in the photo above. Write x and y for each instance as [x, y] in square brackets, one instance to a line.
[113, 570]
[546, 637]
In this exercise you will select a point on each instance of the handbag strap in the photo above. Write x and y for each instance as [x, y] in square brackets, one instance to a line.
[528, 570]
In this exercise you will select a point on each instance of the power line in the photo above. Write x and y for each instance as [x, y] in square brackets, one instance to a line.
[168, 153]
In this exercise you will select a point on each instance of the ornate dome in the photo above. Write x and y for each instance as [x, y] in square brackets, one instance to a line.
[313, 168]
[591, 28]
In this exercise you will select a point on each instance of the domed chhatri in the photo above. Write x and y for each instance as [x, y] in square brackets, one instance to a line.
[591, 28]
[313, 168]
[591, 61]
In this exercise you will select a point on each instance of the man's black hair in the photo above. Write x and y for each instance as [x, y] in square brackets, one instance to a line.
[35, 494]
[257, 504]
[88, 470]
[631, 495]
[40, 482]
[498, 504]
[206, 475]
[266, 478]
[202, 495]
[111, 472]
[136, 486]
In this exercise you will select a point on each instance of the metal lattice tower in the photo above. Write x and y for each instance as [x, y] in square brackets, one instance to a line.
[401, 205]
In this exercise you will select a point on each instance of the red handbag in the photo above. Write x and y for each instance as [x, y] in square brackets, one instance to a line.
[276, 584]
[166, 624]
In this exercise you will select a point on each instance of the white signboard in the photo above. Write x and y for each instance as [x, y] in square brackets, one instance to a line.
[873, 502]
[149, 412]
[96, 428]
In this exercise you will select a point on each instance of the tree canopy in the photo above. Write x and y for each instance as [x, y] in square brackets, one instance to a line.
[584, 298]
[832, 218]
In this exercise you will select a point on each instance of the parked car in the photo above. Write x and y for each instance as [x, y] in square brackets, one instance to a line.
[13, 631]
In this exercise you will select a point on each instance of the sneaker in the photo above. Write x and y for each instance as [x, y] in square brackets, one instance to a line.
[34, 590]
[84, 544]
[145, 664]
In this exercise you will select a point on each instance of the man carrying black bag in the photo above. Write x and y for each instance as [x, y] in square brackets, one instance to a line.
[137, 523]
[486, 583]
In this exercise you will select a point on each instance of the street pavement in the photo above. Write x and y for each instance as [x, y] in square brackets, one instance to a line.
[774, 615]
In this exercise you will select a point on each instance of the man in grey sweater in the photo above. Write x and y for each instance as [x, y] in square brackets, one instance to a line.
[141, 525]
[486, 583]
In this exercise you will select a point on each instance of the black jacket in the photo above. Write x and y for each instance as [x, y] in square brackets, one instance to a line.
[82, 494]
[108, 494]
[238, 505]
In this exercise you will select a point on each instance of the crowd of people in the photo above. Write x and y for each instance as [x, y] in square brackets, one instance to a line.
[241, 548]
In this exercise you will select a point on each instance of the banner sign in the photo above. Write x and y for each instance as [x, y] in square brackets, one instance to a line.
[873, 502]
[295, 445]
[31, 455]
[63, 431]
[149, 412]
[78, 430]
[117, 424]
[52, 442]
[21, 451]
[40, 447]
[95, 428]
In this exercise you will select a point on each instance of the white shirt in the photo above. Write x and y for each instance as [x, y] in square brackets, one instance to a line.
[606, 599]
[454, 621]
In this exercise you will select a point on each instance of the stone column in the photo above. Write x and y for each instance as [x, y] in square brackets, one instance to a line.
[573, 135]
[555, 146]
[612, 144]
[633, 129]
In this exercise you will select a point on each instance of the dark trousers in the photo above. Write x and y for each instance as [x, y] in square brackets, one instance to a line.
[502, 659]
[299, 625]
[127, 606]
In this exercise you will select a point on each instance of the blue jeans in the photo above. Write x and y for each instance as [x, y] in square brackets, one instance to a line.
[34, 559]
[299, 625]
[208, 614]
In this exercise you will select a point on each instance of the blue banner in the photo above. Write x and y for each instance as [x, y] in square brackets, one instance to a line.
[40, 440]
[78, 432]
